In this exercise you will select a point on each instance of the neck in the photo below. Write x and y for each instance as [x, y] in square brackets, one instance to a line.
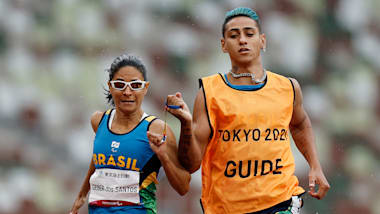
[255, 75]
[254, 67]
[257, 71]
[127, 119]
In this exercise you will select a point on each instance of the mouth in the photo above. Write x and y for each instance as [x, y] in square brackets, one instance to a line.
[244, 50]
[127, 101]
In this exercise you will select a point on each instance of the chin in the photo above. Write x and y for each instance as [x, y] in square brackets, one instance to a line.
[244, 59]
[127, 108]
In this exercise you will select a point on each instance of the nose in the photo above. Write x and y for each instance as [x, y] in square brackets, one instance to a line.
[127, 90]
[242, 39]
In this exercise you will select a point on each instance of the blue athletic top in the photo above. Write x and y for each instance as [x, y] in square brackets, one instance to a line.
[129, 151]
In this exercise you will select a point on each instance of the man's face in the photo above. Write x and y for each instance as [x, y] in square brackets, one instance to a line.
[242, 40]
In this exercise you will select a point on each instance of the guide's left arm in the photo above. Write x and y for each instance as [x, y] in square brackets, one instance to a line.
[302, 133]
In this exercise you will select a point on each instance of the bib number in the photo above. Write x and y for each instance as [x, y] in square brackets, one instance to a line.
[114, 184]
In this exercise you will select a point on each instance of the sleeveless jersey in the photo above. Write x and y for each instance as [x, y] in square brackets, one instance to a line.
[126, 152]
[248, 164]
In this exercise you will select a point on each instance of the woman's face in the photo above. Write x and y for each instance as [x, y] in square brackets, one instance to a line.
[128, 100]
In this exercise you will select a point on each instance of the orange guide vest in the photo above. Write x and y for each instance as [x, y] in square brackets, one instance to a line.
[248, 164]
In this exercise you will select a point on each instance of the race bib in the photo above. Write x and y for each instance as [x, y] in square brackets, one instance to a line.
[114, 184]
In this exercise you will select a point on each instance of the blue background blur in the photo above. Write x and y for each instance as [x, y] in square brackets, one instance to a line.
[52, 60]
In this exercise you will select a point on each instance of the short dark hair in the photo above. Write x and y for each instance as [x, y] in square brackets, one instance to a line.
[240, 11]
[120, 62]
[229, 19]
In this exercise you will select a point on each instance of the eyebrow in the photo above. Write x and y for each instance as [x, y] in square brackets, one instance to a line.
[245, 28]
[130, 80]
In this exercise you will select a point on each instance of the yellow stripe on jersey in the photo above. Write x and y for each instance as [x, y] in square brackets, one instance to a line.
[152, 178]
[108, 111]
[150, 118]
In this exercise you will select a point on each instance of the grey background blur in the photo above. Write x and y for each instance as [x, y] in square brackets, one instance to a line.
[52, 60]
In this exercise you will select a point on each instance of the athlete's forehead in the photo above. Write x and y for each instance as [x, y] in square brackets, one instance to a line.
[241, 23]
[128, 73]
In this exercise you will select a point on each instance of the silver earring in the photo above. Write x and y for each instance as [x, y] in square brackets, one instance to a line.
[264, 49]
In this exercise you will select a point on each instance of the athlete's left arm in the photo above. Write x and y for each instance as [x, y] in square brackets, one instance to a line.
[302, 133]
[178, 177]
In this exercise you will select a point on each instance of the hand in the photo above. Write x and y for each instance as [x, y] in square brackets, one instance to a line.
[156, 144]
[77, 204]
[182, 113]
[316, 176]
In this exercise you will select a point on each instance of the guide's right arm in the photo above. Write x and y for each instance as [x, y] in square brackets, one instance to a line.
[82, 195]
[195, 131]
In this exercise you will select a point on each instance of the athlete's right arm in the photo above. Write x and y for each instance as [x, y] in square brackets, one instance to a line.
[195, 131]
[82, 195]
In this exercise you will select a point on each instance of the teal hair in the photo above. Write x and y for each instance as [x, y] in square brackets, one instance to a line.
[240, 11]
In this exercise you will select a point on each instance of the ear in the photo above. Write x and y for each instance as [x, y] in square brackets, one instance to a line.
[146, 87]
[263, 40]
[109, 85]
[223, 44]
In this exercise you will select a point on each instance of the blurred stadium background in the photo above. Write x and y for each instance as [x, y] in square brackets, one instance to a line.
[53, 55]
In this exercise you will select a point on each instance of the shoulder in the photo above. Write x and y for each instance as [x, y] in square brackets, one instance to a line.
[295, 84]
[209, 81]
[281, 82]
[298, 98]
[277, 76]
[96, 117]
[211, 77]
[156, 125]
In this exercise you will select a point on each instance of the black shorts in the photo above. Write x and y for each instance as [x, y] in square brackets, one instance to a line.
[291, 206]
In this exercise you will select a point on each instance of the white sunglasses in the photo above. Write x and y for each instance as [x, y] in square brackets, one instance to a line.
[135, 85]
